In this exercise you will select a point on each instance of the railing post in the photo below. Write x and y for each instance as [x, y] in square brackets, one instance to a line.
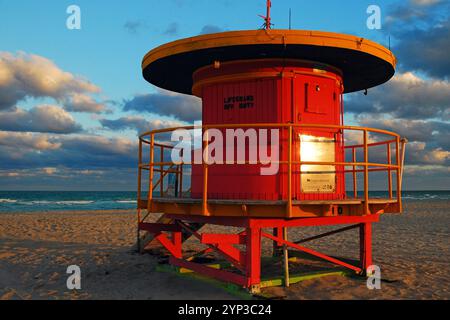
[366, 174]
[289, 202]
[399, 180]
[205, 173]
[161, 182]
[151, 172]
[355, 182]
[389, 170]
[138, 239]
[181, 173]
[139, 190]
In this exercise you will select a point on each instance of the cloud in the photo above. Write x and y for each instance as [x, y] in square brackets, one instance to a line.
[181, 107]
[209, 28]
[49, 171]
[418, 153]
[414, 14]
[83, 103]
[421, 29]
[133, 26]
[44, 118]
[23, 142]
[428, 140]
[426, 50]
[83, 152]
[171, 30]
[405, 96]
[425, 2]
[434, 133]
[108, 179]
[139, 124]
[25, 76]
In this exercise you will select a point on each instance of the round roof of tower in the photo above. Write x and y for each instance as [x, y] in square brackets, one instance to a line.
[364, 63]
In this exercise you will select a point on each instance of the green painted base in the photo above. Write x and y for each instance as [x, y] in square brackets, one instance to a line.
[242, 293]
[230, 288]
[276, 282]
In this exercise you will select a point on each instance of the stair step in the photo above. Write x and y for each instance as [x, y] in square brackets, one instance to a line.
[149, 244]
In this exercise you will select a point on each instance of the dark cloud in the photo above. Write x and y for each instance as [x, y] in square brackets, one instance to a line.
[211, 29]
[181, 107]
[55, 179]
[405, 96]
[45, 118]
[428, 140]
[433, 133]
[25, 150]
[139, 124]
[426, 50]
[421, 29]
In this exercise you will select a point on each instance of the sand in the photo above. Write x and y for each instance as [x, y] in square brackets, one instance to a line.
[36, 249]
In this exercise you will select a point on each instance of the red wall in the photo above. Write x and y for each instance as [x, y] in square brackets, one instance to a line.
[270, 91]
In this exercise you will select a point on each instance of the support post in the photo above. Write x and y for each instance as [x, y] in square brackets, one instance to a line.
[286, 259]
[253, 259]
[365, 251]
[277, 232]
[177, 238]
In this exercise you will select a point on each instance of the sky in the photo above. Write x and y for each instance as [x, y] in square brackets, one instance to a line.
[72, 102]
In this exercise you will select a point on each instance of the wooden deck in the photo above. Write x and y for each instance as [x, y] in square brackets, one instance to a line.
[270, 209]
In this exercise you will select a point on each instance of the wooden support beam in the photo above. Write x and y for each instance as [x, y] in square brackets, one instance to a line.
[159, 227]
[216, 238]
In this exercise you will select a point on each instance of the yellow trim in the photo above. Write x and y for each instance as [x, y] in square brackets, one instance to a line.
[261, 37]
[283, 62]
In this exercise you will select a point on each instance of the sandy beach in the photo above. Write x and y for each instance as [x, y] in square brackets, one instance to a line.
[36, 249]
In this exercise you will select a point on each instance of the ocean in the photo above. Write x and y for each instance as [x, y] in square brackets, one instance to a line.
[33, 201]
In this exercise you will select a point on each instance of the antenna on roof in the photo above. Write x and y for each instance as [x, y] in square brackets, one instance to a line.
[290, 18]
[267, 19]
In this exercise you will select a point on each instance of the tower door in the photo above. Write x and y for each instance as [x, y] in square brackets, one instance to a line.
[315, 103]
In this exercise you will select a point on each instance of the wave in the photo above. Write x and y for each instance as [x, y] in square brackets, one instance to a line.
[44, 202]
[8, 201]
[125, 201]
[74, 202]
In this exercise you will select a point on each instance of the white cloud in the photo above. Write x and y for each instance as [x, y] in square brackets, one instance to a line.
[22, 140]
[43, 118]
[406, 96]
[49, 171]
[25, 76]
[83, 103]
[425, 2]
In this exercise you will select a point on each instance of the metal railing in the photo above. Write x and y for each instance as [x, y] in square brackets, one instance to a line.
[164, 167]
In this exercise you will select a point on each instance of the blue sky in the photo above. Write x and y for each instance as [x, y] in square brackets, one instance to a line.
[115, 35]
[105, 52]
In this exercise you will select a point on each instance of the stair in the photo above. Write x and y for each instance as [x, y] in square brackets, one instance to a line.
[148, 244]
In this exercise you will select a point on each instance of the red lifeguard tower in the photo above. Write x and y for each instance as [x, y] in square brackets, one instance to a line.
[287, 80]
